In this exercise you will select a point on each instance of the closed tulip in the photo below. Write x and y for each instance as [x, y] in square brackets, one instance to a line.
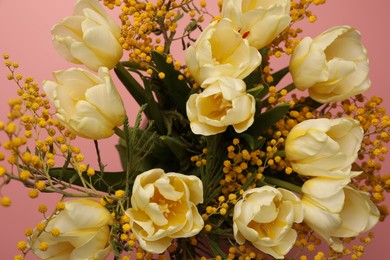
[224, 102]
[335, 210]
[324, 147]
[80, 231]
[220, 50]
[333, 66]
[86, 104]
[259, 22]
[89, 37]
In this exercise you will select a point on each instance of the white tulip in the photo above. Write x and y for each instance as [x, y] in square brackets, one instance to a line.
[89, 37]
[333, 66]
[264, 216]
[324, 147]
[86, 104]
[224, 102]
[164, 208]
[259, 22]
[335, 210]
[220, 50]
[84, 232]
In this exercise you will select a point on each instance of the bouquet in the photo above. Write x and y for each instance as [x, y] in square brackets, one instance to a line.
[228, 158]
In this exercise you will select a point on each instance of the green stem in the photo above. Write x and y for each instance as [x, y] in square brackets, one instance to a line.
[283, 184]
[281, 153]
[119, 132]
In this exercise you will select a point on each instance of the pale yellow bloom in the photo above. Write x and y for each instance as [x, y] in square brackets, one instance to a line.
[265, 217]
[259, 22]
[335, 210]
[87, 104]
[83, 233]
[324, 147]
[333, 66]
[220, 50]
[164, 208]
[90, 37]
[224, 102]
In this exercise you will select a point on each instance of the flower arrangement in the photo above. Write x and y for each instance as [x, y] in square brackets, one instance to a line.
[223, 161]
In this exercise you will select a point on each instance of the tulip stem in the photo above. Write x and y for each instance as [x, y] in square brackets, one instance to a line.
[283, 184]
[119, 132]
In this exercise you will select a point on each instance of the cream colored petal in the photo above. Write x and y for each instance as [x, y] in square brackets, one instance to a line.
[283, 247]
[69, 27]
[87, 242]
[97, 37]
[140, 223]
[89, 123]
[106, 98]
[194, 184]
[264, 31]
[296, 204]
[308, 65]
[59, 251]
[88, 213]
[49, 87]
[155, 247]
[167, 190]
[323, 188]
[321, 221]
[356, 204]
[329, 36]
[192, 63]
[76, 81]
[206, 129]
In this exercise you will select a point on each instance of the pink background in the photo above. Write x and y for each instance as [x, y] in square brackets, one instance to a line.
[25, 35]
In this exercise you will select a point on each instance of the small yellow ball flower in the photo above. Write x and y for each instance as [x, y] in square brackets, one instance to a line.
[82, 167]
[19, 257]
[42, 208]
[55, 232]
[119, 193]
[90, 172]
[2, 171]
[6, 201]
[40, 185]
[126, 228]
[28, 232]
[60, 206]
[208, 227]
[222, 211]
[161, 75]
[131, 243]
[43, 246]
[24, 175]
[22, 245]
[41, 227]
[33, 193]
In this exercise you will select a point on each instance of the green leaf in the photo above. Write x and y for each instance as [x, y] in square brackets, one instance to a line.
[256, 91]
[101, 181]
[253, 79]
[215, 248]
[131, 84]
[279, 75]
[179, 149]
[268, 119]
[177, 90]
[154, 110]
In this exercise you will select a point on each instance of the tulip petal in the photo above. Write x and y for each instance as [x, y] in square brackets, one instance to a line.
[111, 106]
[89, 123]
